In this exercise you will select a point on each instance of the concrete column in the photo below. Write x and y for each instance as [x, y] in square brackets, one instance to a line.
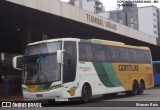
[26, 37]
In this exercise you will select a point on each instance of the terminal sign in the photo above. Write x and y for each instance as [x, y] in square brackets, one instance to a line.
[101, 22]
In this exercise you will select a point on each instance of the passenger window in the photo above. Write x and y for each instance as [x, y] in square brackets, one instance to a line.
[99, 54]
[124, 54]
[85, 52]
[114, 53]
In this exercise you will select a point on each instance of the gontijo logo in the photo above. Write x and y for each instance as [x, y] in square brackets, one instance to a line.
[128, 67]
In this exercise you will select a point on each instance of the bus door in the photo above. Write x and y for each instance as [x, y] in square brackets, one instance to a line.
[69, 66]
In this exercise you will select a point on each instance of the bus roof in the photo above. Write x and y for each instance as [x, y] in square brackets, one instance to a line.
[95, 41]
[114, 43]
[106, 41]
[53, 40]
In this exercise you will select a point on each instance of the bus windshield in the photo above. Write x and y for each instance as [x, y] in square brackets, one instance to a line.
[40, 64]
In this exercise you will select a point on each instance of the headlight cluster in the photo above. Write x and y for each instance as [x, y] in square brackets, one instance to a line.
[56, 86]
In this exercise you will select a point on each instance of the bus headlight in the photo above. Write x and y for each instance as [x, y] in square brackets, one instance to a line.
[56, 86]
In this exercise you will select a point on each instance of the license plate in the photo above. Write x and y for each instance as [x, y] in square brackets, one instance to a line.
[61, 99]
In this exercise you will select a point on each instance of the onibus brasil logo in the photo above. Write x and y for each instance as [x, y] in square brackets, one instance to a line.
[21, 104]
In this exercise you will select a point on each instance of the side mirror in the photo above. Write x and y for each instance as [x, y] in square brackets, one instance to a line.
[59, 56]
[17, 62]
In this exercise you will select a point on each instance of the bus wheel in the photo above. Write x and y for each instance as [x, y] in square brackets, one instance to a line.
[134, 90]
[141, 88]
[86, 93]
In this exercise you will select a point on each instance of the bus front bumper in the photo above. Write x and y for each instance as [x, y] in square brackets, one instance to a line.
[51, 94]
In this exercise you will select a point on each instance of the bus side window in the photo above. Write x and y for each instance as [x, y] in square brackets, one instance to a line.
[147, 57]
[133, 55]
[154, 68]
[114, 53]
[140, 56]
[98, 53]
[158, 68]
[108, 54]
[124, 54]
[85, 52]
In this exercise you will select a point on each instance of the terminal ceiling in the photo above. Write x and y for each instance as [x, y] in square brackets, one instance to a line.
[15, 18]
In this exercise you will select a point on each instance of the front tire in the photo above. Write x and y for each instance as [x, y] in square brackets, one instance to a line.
[86, 93]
